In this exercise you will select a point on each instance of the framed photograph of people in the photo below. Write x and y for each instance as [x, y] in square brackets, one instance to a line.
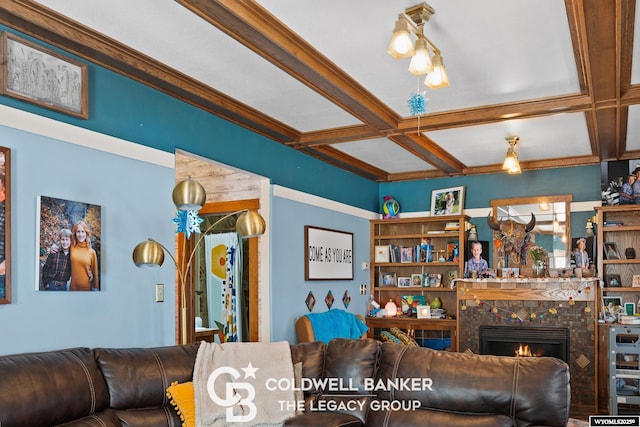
[404, 282]
[447, 201]
[612, 281]
[611, 250]
[386, 278]
[69, 245]
[33, 73]
[5, 225]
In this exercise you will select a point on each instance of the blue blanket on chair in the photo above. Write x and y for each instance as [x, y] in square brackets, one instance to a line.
[336, 324]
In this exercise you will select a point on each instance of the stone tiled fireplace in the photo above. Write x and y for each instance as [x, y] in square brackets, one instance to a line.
[551, 304]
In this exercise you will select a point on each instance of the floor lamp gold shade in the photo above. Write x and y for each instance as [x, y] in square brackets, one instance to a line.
[190, 195]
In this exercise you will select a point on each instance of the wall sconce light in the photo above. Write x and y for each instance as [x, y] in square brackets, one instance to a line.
[588, 231]
[473, 233]
[391, 309]
[189, 197]
[511, 163]
[401, 46]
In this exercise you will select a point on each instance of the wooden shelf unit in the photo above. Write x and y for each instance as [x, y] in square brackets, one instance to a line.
[409, 232]
[626, 235]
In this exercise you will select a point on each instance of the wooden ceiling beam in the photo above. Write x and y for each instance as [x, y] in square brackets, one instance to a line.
[48, 26]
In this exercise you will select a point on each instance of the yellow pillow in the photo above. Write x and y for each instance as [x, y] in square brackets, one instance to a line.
[181, 396]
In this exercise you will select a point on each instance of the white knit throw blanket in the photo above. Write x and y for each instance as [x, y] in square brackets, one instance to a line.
[243, 368]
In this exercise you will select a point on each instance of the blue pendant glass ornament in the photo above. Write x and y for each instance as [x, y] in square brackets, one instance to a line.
[417, 104]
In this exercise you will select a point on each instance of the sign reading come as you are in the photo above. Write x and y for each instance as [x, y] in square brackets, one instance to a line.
[328, 254]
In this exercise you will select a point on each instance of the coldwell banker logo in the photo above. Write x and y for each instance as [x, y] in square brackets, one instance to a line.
[232, 397]
[242, 393]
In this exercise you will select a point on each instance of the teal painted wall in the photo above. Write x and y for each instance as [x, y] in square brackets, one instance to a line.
[125, 314]
[126, 109]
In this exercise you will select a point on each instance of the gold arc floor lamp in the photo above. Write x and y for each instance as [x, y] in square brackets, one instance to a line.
[189, 195]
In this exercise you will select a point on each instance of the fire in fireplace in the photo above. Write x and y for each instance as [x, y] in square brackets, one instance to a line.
[525, 341]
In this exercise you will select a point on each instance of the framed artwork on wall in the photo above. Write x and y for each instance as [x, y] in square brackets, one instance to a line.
[5, 225]
[447, 201]
[69, 242]
[38, 75]
[328, 254]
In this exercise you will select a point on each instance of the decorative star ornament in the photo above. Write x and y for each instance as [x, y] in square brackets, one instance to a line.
[187, 222]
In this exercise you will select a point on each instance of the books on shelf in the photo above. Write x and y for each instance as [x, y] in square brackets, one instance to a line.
[452, 226]
[612, 223]
[625, 319]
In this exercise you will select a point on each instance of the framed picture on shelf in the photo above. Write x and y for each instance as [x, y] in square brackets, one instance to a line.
[387, 278]
[611, 250]
[447, 201]
[612, 281]
[630, 308]
[406, 254]
[435, 280]
[416, 280]
[381, 253]
[635, 282]
[613, 303]
[404, 282]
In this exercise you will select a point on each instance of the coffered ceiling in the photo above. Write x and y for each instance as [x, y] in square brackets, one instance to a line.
[315, 75]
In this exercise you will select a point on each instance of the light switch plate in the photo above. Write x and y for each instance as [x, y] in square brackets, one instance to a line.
[159, 292]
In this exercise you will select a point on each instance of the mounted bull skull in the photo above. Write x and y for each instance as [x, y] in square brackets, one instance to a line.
[514, 236]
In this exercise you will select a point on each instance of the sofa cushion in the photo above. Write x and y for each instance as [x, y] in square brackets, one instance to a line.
[182, 397]
[323, 419]
[106, 418]
[472, 384]
[49, 388]
[431, 418]
[311, 355]
[149, 417]
[139, 377]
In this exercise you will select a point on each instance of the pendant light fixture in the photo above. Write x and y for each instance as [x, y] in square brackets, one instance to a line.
[401, 46]
[511, 163]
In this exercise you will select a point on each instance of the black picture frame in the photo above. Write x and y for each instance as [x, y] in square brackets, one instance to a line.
[612, 281]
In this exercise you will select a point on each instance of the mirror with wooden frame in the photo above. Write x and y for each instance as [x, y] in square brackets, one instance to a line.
[550, 229]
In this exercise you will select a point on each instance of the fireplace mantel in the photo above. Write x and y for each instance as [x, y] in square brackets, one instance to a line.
[550, 302]
[551, 289]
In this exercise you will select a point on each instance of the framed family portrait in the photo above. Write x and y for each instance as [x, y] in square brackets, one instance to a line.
[387, 278]
[611, 251]
[5, 225]
[447, 201]
[404, 282]
[612, 281]
[69, 241]
[38, 75]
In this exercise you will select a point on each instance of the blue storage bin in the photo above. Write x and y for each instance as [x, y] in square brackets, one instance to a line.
[435, 343]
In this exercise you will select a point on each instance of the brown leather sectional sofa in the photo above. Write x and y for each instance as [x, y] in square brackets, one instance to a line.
[378, 384]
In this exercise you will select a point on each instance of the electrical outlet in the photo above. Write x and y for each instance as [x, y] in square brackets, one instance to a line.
[363, 289]
[159, 292]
